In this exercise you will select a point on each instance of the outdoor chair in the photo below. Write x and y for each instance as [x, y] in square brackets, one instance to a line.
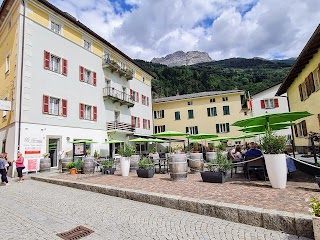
[258, 166]
[231, 158]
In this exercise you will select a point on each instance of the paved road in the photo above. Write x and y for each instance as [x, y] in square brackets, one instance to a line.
[36, 210]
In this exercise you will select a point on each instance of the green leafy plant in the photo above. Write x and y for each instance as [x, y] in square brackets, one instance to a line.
[154, 150]
[211, 146]
[195, 147]
[126, 150]
[107, 163]
[78, 164]
[70, 165]
[45, 155]
[221, 147]
[145, 164]
[177, 148]
[314, 207]
[95, 154]
[88, 152]
[220, 164]
[273, 144]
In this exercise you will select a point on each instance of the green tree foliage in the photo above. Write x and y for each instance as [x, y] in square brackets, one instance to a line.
[252, 75]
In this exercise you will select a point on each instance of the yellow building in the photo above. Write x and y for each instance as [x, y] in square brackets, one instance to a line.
[204, 112]
[302, 85]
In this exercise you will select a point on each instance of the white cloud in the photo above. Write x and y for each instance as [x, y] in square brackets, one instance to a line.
[246, 28]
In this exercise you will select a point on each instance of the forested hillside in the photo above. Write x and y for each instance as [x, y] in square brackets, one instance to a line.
[253, 75]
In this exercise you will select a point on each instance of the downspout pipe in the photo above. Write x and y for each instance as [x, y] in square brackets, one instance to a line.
[21, 73]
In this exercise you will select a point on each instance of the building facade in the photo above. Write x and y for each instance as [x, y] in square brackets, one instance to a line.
[73, 84]
[205, 112]
[302, 86]
[266, 102]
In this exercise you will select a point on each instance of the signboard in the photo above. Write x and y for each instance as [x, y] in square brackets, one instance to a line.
[32, 165]
[5, 105]
[79, 149]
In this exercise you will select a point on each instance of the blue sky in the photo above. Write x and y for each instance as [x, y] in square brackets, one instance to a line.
[224, 28]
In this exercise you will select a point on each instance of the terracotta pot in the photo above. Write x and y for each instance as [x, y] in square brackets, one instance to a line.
[73, 171]
[316, 227]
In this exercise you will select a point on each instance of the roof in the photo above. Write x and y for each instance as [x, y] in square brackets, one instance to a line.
[195, 95]
[272, 86]
[306, 54]
[80, 25]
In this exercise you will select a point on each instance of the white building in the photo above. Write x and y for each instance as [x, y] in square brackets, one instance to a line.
[74, 85]
[266, 102]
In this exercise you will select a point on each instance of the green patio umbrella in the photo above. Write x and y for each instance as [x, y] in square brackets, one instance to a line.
[202, 136]
[170, 134]
[261, 128]
[271, 118]
[249, 135]
[113, 141]
[220, 139]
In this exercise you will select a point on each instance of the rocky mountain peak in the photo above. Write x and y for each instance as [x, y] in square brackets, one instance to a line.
[180, 58]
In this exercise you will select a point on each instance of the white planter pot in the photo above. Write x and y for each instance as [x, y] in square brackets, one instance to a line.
[277, 169]
[211, 156]
[125, 166]
[316, 227]
[196, 155]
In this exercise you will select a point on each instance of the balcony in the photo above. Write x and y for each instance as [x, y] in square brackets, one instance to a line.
[118, 96]
[116, 126]
[114, 67]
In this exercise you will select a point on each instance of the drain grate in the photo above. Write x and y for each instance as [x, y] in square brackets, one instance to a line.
[75, 233]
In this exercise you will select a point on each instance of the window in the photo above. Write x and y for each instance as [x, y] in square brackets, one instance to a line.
[226, 110]
[55, 27]
[122, 65]
[224, 99]
[192, 130]
[190, 103]
[87, 45]
[143, 79]
[159, 129]
[88, 112]
[54, 106]
[222, 128]
[145, 100]
[134, 95]
[212, 111]
[88, 76]
[158, 114]
[7, 64]
[146, 124]
[190, 114]
[269, 103]
[135, 122]
[316, 77]
[177, 115]
[212, 100]
[4, 113]
[55, 63]
[301, 129]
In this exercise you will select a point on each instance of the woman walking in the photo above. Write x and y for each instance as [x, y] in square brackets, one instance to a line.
[20, 166]
[3, 170]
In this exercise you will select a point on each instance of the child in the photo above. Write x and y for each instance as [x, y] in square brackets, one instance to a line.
[3, 170]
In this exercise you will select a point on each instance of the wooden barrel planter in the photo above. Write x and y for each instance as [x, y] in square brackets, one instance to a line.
[178, 167]
[134, 162]
[211, 156]
[195, 162]
[64, 163]
[45, 164]
[88, 165]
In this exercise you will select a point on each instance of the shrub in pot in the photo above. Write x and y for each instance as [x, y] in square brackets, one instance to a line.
[211, 147]
[72, 167]
[126, 152]
[276, 163]
[107, 167]
[217, 169]
[146, 168]
[78, 165]
[315, 211]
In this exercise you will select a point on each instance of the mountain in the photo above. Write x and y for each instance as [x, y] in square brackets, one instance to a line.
[253, 75]
[181, 58]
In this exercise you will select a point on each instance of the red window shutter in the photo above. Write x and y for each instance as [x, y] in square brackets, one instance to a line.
[147, 101]
[142, 99]
[64, 107]
[94, 113]
[132, 121]
[144, 123]
[149, 124]
[45, 104]
[276, 102]
[64, 67]
[94, 78]
[312, 86]
[263, 105]
[296, 130]
[81, 112]
[138, 122]
[81, 71]
[307, 82]
[137, 94]
[304, 128]
[46, 63]
[300, 92]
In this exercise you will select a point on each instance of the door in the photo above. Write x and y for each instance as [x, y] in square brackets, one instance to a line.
[53, 151]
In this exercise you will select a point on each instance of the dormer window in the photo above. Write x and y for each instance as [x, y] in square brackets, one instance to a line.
[87, 45]
[55, 27]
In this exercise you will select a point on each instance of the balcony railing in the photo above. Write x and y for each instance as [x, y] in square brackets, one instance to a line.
[114, 67]
[118, 96]
[119, 126]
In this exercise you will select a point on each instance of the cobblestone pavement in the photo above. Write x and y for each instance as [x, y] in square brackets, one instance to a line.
[236, 190]
[37, 210]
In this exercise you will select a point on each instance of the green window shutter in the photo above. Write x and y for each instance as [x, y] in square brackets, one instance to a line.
[162, 113]
[155, 114]
[217, 128]
[190, 113]
[214, 111]
[196, 129]
[177, 115]
[187, 130]
[228, 128]
[208, 112]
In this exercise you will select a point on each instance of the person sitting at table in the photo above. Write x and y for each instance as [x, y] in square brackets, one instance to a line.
[253, 151]
[236, 153]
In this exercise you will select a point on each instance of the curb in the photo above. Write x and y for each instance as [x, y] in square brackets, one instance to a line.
[291, 223]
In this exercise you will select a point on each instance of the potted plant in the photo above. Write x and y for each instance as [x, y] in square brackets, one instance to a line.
[126, 152]
[315, 211]
[275, 159]
[45, 162]
[78, 165]
[154, 154]
[146, 168]
[96, 154]
[67, 158]
[72, 168]
[211, 154]
[107, 167]
[217, 169]
[196, 159]
[177, 149]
